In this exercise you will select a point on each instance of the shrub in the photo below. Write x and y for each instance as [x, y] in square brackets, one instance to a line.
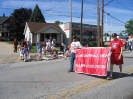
[91, 43]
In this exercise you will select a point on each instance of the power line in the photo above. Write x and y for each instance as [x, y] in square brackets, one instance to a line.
[119, 13]
[62, 3]
[7, 8]
[124, 6]
[55, 5]
[108, 3]
[73, 16]
[114, 17]
[67, 12]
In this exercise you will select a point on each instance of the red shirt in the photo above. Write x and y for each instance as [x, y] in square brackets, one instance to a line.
[116, 45]
[15, 42]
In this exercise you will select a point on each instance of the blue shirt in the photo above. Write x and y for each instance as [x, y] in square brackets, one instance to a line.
[39, 47]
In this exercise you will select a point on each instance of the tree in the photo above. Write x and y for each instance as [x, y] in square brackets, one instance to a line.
[58, 22]
[106, 34]
[37, 15]
[18, 19]
[129, 27]
[121, 34]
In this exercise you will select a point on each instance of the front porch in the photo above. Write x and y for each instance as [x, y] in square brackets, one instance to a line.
[4, 34]
[44, 36]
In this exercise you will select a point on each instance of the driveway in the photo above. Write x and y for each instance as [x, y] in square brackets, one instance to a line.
[7, 55]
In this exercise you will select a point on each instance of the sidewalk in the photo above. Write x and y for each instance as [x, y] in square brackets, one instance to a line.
[8, 56]
[6, 53]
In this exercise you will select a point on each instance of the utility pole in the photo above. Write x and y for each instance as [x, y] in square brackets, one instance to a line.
[98, 24]
[102, 26]
[70, 27]
[81, 26]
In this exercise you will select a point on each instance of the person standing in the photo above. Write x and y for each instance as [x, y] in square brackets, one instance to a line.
[116, 55]
[39, 49]
[74, 45]
[29, 44]
[15, 45]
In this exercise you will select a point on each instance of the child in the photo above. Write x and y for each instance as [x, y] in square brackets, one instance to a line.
[25, 53]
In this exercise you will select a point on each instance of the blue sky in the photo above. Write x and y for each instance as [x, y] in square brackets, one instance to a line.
[59, 10]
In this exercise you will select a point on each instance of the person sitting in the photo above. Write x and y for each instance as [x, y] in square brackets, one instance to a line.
[67, 55]
[48, 43]
[48, 48]
[55, 56]
[64, 48]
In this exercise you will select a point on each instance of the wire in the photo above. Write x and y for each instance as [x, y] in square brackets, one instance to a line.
[113, 17]
[108, 3]
[118, 12]
[67, 12]
[78, 17]
[124, 6]
[55, 5]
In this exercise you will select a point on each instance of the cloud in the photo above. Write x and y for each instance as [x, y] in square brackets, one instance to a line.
[54, 10]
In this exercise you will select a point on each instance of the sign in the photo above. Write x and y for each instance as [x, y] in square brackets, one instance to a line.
[92, 60]
[84, 26]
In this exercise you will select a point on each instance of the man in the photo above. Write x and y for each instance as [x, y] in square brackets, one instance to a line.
[116, 56]
[74, 45]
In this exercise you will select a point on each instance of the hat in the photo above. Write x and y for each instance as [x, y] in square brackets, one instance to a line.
[114, 34]
[74, 37]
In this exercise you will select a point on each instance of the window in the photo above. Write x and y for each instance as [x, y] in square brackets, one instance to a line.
[5, 25]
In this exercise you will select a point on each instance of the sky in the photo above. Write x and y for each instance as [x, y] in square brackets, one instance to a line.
[119, 11]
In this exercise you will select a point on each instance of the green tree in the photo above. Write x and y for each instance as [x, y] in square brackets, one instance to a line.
[106, 34]
[129, 27]
[37, 15]
[58, 22]
[18, 19]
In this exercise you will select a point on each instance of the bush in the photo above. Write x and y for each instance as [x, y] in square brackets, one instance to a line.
[90, 44]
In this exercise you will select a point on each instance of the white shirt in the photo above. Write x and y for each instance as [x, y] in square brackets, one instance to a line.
[74, 46]
[48, 43]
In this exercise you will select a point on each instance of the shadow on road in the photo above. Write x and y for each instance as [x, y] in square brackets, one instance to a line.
[115, 75]
[127, 57]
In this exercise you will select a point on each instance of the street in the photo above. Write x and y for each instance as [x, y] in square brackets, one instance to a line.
[49, 79]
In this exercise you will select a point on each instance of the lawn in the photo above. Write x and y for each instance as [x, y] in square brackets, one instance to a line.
[33, 49]
[10, 42]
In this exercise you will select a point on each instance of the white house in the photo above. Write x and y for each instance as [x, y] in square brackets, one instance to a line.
[34, 31]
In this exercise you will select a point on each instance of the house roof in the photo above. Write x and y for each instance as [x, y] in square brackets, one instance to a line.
[3, 30]
[36, 26]
[2, 19]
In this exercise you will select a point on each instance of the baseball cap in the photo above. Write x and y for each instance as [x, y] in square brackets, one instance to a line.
[114, 34]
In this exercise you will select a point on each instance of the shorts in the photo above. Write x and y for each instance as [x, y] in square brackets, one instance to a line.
[114, 59]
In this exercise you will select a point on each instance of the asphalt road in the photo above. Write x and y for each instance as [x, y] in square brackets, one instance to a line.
[50, 80]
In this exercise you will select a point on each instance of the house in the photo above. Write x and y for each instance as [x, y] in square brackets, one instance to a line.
[34, 31]
[89, 32]
[4, 22]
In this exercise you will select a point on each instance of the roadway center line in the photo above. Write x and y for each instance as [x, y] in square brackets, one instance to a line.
[85, 87]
